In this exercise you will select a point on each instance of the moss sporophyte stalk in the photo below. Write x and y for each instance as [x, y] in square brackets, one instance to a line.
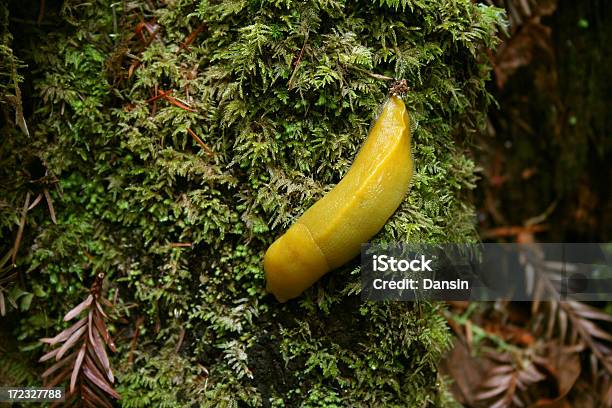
[331, 232]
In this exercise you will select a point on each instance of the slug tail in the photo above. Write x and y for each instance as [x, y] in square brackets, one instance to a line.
[293, 263]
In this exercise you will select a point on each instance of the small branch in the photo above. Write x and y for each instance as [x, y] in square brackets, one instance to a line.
[381, 77]
[189, 39]
[297, 63]
[21, 227]
[174, 101]
[201, 143]
[373, 75]
[160, 94]
[513, 231]
[50, 205]
[181, 245]
[181, 104]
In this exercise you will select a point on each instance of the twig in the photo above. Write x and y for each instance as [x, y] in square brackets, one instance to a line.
[181, 245]
[181, 104]
[50, 205]
[201, 143]
[189, 39]
[513, 231]
[297, 63]
[373, 75]
[152, 27]
[21, 227]
[159, 95]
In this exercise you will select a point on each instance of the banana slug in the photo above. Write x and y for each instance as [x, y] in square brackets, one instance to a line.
[330, 233]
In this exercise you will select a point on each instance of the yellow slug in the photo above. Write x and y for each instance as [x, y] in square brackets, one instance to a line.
[330, 233]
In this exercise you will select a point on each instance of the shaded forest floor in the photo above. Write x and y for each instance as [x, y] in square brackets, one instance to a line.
[546, 159]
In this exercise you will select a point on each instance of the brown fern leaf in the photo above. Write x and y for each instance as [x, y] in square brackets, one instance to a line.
[573, 322]
[80, 356]
[584, 320]
[504, 383]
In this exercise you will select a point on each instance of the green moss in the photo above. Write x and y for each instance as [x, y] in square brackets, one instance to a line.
[283, 125]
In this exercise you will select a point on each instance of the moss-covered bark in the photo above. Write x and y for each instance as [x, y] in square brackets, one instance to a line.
[281, 95]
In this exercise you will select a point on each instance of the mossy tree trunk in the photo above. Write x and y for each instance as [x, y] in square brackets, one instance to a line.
[281, 96]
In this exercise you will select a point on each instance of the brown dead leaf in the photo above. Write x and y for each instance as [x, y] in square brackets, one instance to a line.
[94, 375]
[466, 371]
[78, 309]
[97, 400]
[70, 342]
[64, 334]
[50, 205]
[565, 368]
[77, 367]
[100, 352]
[101, 328]
[58, 365]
